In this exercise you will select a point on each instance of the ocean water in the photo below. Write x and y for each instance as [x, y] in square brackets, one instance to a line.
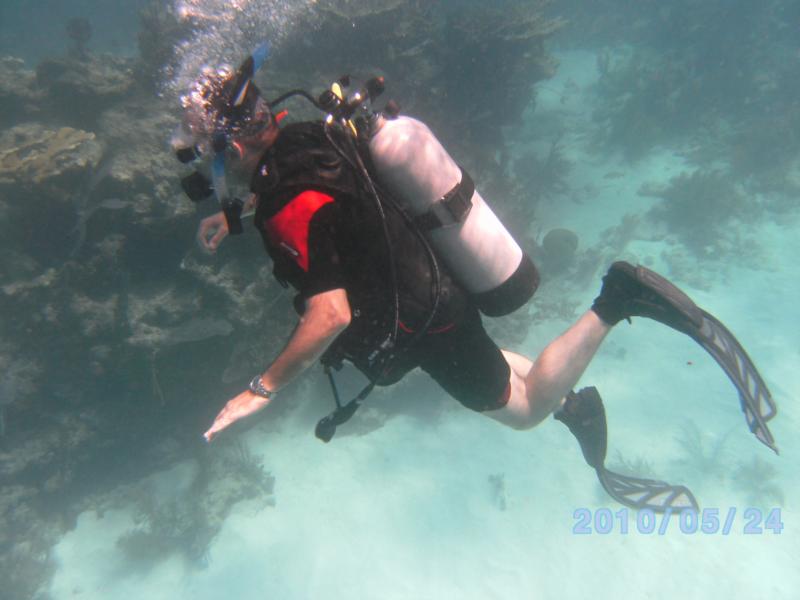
[658, 133]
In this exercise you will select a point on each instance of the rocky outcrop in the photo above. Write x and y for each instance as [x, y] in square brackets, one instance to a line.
[80, 89]
[18, 96]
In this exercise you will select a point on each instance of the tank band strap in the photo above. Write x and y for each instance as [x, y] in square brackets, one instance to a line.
[452, 208]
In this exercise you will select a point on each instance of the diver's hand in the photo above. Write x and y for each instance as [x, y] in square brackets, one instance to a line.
[212, 231]
[239, 407]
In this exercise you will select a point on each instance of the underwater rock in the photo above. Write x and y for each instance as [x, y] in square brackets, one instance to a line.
[249, 296]
[350, 10]
[44, 159]
[18, 98]
[558, 250]
[97, 316]
[18, 382]
[139, 160]
[81, 89]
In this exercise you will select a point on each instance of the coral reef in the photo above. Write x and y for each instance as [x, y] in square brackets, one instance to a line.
[434, 59]
[635, 466]
[79, 30]
[709, 76]
[79, 89]
[543, 177]
[102, 291]
[757, 480]
[33, 157]
[187, 524]
[640, 100]
[18, 382]
[702, 209]
[698, 453]
[18, 97]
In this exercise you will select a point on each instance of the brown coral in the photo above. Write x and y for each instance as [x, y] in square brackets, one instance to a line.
[33, 155]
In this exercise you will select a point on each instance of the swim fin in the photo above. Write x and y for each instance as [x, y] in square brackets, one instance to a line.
[583, 413]
[639, 493]
[630, 291]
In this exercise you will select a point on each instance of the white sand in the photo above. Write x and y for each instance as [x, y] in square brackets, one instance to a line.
[407, 512]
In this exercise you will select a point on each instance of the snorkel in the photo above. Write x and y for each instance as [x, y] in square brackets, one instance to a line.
[221, 106]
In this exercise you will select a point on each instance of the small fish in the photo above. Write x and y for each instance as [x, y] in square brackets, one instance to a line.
[85, 214]
[114, 203]
[196, 330]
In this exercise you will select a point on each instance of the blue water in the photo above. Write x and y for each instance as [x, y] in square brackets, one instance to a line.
[665, 135]
[34, 30]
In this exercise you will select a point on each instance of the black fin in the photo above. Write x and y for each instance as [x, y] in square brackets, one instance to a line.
[640, 493]
[659, 299]
[754, 397]
[583, 413]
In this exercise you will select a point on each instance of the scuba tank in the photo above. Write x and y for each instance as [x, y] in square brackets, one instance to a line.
[468, 237]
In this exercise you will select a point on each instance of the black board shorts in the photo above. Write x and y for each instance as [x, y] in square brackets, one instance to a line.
[463, 360]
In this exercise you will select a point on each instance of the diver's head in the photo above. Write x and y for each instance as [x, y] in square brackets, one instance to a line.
[226, 120]
[224, 112]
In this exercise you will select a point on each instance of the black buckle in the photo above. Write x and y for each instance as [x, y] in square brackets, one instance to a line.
[197, 186]
[187, 155]
[457, 203]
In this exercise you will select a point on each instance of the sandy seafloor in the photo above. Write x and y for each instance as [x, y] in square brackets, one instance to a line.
[408, 511]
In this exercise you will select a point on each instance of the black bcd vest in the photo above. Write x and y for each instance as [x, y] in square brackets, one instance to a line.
[303, 159]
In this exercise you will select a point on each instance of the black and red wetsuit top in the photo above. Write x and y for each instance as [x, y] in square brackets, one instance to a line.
[323, 232]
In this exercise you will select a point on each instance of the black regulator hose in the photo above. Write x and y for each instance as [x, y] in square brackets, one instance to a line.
[358, 165]
[304, 94]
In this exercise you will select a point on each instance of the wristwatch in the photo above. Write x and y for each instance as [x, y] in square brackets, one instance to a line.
[257, 387]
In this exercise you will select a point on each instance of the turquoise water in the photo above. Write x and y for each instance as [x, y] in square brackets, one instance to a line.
[120, 340]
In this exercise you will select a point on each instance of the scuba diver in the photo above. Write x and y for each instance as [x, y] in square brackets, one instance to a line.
[394, 256]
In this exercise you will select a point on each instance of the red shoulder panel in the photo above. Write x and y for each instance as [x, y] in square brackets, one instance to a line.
[288, 229]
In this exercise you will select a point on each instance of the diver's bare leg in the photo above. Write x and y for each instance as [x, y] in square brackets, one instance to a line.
[537, 388]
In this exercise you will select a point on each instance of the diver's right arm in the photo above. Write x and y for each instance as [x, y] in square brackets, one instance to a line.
[327, 314]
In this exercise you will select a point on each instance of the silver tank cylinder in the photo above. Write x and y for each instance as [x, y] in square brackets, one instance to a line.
[478, 250]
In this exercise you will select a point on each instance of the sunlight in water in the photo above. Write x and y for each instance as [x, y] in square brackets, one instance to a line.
[225, 31]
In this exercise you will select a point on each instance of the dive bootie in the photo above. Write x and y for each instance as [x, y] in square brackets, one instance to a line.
[630, 291]
[585, 416]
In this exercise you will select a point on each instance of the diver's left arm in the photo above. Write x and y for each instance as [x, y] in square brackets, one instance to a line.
[213, 229]
[327, 314]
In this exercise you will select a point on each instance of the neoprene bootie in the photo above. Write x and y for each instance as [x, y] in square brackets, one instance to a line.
[630, 291]
[585, 416]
